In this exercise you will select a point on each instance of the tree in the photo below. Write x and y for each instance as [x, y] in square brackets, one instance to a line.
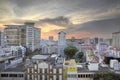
[80, 55]
[106, 76]
[70, 51]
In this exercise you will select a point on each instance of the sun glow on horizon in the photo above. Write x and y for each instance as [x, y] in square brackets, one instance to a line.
[47, 27]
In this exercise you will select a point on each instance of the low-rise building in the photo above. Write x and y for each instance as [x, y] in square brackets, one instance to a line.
[44, 68]
[14, 70]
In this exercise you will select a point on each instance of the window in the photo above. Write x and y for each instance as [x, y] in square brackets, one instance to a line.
[35, 70]
[45, 77]
[13, 75]
[45, 70]
[4, 75]
[57, 70]
[30, 77]
[40, 70]
[40, 77]
[51, 70]
[51, 76]
[30, 70]
[57, 77]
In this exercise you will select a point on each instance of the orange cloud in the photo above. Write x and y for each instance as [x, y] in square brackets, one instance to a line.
[47, 27]
[78, 35]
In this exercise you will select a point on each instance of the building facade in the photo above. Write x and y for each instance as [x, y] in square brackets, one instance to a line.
[44, 67]
[44, 71]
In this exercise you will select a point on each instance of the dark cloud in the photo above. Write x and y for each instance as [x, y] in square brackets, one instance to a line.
[101, 16]
[60, 21]
[97, 27]
[62, 7]
[106, 26]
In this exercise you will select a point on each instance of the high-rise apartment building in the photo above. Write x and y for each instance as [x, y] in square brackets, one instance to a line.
[116, 39]
[61, 42]
[32, 36]
[25, 35]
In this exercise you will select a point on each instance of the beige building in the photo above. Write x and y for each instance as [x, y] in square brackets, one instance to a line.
[15, 35]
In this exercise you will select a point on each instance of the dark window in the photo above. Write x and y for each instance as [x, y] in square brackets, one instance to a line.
[40, 70]
[57, 77]
[45, 77]
[79, 76]
[4, 75]
[57, 70]
[13, 75]
[51, 76]
[45, 70]
[30, 70]
[83, 75]
[40, 77]
[30, 77]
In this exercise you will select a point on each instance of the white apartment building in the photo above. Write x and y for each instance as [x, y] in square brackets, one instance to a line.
[61, 42]
[116, 39]
[32, 36]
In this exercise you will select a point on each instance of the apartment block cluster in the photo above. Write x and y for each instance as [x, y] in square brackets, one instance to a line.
[99, 56]
[14, 41]
[25, 35]
[19, 37]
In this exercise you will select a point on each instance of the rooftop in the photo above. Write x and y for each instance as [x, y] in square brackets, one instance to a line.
[40, 57]
[6, 58]
[82, 68]
[18, 68]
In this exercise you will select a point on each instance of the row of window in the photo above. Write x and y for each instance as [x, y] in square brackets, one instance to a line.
[85, 75]
[45, 77]
[81, 75]
[45, 70]
[11, 75]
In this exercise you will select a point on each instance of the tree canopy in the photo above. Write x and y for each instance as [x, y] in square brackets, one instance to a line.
[107, 76]
[80, 55]
[70, 51]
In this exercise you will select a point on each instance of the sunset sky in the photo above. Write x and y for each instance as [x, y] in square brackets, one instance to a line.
[78, 18]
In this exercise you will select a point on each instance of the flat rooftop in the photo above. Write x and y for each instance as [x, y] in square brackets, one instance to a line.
[40, 57]
[17, 68]
[82, 68]
[6, 58]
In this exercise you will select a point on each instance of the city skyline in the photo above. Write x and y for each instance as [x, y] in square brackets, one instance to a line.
[78, 18]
